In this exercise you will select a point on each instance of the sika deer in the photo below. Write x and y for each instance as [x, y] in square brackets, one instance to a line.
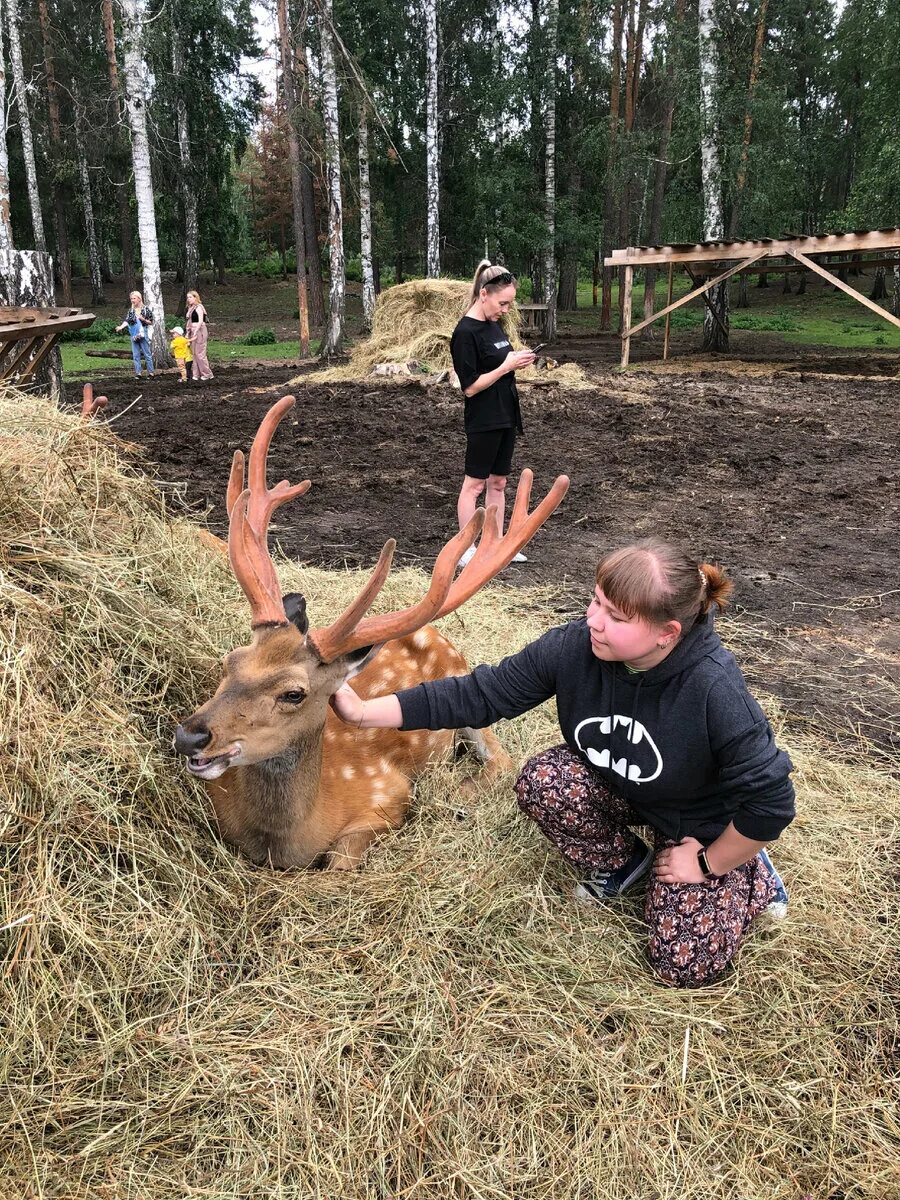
[288, 780]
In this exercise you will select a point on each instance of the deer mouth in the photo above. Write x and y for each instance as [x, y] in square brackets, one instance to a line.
[212, 766]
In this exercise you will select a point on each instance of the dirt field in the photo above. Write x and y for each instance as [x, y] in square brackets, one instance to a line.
[785, 473]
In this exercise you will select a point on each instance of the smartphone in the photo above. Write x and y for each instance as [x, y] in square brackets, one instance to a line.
[540, 346]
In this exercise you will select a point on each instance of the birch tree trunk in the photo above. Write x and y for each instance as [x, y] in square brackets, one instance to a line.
[186, 177]
[550, 172]
[7, 248]
[30, 284]
[609, 191]
[63, 258]
[365, 220]
[21, 92]
[288, 84]
[125, 236]
[432, 223]
[87, 206]
[136, 105]
[715, 335]
[334, 328]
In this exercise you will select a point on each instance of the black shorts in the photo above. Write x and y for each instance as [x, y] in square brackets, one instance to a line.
[489, 453]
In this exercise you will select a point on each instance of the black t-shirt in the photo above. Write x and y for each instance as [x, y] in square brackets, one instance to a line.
[478, 347]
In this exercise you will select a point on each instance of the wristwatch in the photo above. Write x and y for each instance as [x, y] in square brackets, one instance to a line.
[708, 873]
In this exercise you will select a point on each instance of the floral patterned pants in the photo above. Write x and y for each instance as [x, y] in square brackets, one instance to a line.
[695, 928]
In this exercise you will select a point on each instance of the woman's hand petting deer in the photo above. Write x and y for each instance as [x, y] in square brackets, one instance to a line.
[659, 730]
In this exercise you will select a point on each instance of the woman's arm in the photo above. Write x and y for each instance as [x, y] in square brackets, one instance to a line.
[516, 360]
[382, 712]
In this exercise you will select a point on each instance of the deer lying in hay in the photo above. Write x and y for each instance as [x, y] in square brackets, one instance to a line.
[290, 782]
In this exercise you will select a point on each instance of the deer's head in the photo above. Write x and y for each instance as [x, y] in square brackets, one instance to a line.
[274, 693]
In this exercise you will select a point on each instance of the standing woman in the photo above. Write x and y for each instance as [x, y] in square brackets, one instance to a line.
[197, 324]
[139, 323]
[486, 363]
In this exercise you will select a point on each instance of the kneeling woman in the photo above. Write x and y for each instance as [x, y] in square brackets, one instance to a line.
[659, 730]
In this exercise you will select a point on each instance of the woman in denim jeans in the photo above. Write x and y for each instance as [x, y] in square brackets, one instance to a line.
[139, 323]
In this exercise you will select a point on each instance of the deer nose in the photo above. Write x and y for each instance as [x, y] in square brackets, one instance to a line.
[190, 741]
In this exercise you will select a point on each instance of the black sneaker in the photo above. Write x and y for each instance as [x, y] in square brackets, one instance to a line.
[601, 885]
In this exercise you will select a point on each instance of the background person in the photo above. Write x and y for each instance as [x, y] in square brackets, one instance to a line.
[197, 324]
[485, 363]
[659, 730]
[139, 323]
[181, 351]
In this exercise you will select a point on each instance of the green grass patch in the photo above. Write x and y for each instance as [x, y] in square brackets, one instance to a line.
[76, 362]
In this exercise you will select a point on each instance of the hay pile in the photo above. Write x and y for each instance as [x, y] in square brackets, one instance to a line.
[445, 1023]
[414, 322]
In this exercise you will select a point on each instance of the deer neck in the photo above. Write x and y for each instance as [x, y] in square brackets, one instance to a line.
[280, 797]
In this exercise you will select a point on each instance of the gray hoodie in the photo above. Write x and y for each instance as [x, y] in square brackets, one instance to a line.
[684, 743]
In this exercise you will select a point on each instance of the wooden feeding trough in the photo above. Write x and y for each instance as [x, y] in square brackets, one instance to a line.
[29, 334]
[717, 261]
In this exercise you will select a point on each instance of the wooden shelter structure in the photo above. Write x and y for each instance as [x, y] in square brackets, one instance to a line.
[29, 334]
[714, 262]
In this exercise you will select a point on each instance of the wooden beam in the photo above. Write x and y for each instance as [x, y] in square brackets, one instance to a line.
[835, 243]
[709, 304]
[49, 343]
[844, 287]
[669, 313]
[11, 369]
[710, 283]
[626, 316]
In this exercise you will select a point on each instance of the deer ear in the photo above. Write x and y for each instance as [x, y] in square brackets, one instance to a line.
[354, 662]
[295, 610]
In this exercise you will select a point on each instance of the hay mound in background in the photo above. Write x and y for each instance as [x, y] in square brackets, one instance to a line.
[446, 1022]
[414, 322]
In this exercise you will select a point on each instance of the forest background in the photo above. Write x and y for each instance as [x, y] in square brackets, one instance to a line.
[403, 139]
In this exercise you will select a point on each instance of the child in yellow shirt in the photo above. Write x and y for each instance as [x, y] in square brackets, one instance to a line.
[181, 351]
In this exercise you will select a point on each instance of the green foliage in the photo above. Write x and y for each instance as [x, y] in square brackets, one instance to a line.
[258, 337]
[102, 330]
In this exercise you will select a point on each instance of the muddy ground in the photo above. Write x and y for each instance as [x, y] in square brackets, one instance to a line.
[787, 473]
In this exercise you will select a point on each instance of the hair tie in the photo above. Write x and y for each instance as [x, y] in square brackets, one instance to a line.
[703, 580]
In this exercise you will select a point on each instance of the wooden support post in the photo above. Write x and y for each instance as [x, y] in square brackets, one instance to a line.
[626, 316]
[838, 283]
[669, 312]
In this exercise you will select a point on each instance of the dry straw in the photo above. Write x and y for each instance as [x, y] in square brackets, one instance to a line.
[445, 1023]
[414, 322]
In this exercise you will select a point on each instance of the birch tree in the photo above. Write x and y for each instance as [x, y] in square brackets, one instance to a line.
[432, 186]
[87, 206]
[550, 171]
[21, 94]
[186, 175]
[715, 331]
[334, 326]
[136, 106]
[365, 219]
[7, 247]
[289, 88]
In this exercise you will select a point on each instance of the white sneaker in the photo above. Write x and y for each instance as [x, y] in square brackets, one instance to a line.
[467, 557]
[520, 557]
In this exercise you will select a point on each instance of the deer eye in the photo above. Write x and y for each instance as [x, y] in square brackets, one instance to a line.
[296, 697]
